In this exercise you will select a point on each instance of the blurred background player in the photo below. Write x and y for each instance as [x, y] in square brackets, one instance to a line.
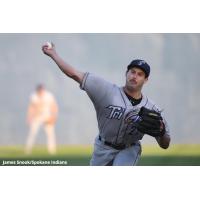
[42, 111]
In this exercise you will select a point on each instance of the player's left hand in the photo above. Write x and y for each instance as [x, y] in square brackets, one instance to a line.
[151, 123]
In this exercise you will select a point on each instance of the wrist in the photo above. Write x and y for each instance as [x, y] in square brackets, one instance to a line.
[53, 55]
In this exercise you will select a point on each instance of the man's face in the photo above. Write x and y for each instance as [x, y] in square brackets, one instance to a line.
[135, 78]
[40, 91]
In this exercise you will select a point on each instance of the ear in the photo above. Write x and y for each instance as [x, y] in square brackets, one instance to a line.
[146, 79]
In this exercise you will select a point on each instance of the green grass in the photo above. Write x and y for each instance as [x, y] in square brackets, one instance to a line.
[176, 155]
[74, 155]
[173, 150]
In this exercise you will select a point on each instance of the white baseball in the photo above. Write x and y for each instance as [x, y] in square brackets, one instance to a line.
[49, 44]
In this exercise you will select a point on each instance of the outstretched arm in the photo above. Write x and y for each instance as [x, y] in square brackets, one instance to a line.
[64, 67]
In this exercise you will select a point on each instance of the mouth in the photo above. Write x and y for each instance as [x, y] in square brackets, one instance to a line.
[133, 81]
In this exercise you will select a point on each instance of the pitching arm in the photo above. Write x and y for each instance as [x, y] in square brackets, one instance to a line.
[64, 67]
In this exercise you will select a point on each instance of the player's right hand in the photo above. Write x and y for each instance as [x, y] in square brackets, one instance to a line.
[48, 51]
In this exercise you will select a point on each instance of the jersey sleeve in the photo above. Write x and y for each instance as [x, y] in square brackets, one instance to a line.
[167, 131]
[97, 88]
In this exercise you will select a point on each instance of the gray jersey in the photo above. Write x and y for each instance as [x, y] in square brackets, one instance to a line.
[115, 113]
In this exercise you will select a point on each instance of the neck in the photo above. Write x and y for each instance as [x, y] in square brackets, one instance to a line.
[136, 94]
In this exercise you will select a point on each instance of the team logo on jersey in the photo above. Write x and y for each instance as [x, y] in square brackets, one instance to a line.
[130, 122]
[116, 112]
[131, 116]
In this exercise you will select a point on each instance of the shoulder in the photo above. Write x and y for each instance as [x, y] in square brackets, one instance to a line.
[91, 80]
[33, 97]
[48, 95]
[150, 104]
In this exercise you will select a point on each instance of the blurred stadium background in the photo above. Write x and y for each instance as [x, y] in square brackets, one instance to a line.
[173, 84]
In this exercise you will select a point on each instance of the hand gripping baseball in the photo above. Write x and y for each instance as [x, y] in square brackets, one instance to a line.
[151, 123]
[49, 48]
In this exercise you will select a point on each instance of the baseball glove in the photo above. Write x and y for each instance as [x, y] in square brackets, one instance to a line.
[151, 122]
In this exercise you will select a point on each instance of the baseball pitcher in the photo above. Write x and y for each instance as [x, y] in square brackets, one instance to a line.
[124, 114]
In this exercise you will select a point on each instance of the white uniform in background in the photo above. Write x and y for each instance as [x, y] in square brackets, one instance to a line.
[42, 112]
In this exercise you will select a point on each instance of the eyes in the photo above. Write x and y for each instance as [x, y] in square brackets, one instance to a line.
[139, 73]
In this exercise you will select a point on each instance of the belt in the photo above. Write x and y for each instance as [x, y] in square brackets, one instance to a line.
[116, 146]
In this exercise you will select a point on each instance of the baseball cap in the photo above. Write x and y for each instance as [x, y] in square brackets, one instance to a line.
[141, 64]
